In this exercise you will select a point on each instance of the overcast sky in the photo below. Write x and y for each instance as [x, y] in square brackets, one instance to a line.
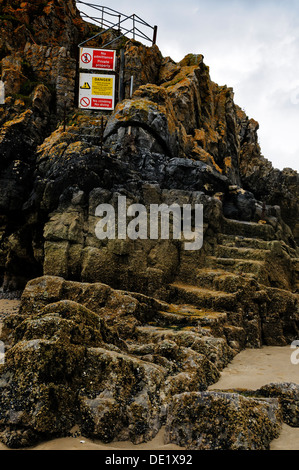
[249, 45]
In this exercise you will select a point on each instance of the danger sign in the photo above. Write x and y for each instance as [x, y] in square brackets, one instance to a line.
[86, 86]
[97, 59]
[102, 85]
[96, 91]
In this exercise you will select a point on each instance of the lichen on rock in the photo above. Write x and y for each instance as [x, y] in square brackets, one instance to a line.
[222, 421]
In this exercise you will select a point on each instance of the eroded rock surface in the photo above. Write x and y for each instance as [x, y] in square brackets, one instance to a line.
[105, 370]
[120, 365]
[222, 421]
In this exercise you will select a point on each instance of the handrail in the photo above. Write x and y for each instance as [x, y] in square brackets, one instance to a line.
[122, 18]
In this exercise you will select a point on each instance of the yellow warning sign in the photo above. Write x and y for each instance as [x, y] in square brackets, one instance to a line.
[102, 86]
[86, 86]
[96, 91]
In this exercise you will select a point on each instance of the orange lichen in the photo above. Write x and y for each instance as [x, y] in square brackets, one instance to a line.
[228, 162]
[204, 156]
[181, 78]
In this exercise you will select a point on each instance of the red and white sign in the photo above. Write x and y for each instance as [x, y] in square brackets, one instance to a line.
[84, 102]
[85, 58]
[97, 59]
[102, 103]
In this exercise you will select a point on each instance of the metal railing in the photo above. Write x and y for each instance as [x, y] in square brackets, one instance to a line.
[108, 19]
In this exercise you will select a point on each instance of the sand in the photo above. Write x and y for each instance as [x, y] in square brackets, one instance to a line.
[250, 369]
[254, 368]
[81, 443]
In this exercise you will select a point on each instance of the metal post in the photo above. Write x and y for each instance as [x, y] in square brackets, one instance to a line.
[155, 35]
[119, 16]
[102, 134]
[2, 92]
[77, 79]
[121, 90]
[131, 86]
[102, 17]
[134, 27]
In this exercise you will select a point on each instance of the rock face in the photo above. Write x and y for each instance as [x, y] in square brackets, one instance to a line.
[138, 327]
[241, 424]
[52, 22]
[274, 187]
[99, 369]
[288, 397]
[104, 364]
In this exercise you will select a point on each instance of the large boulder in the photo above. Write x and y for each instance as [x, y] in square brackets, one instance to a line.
[63, 368]
[222, 421]
[288, 396]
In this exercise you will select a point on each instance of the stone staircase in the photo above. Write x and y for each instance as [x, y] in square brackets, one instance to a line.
[234, 295]
[243, 248]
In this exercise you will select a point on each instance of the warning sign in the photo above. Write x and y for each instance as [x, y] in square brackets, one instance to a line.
[103, 59]
[96, 91]
[85, 86]
[101, 103]
[84, 102]
[97, 59]
[85, 58]
[102, 85]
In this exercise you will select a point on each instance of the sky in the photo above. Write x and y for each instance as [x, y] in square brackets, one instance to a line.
[251, 46]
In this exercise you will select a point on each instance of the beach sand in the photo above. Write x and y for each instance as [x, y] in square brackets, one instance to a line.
[250, 369]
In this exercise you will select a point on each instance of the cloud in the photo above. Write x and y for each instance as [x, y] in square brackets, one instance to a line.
[250, 45]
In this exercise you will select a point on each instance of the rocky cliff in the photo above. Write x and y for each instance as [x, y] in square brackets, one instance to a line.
[115, 328]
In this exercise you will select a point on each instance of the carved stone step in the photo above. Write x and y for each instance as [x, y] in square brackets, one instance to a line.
[243, 242]
[203, 297]
[242, 253]
[206, 321]
[248, 229]
[223, 280]
[237, 266]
